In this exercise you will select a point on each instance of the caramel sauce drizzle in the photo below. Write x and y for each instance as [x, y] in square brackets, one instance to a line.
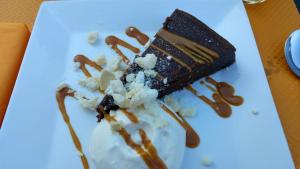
[130, 116]
[114, 41]
[220, 107]
[197, 52]
[137, 34]
[83, 60]
[192, 138]
[223, 96]
[60, 97]
[226, 91]
[147, 150]
[208, 86]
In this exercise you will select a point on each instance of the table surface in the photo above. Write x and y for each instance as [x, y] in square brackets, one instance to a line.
[272, 22]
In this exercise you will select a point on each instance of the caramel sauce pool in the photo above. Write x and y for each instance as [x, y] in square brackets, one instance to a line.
[219, 106]
[226, 91]
[222, 98]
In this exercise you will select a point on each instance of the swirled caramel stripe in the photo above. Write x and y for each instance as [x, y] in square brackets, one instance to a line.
[60, 97]
[195, 51]
[173, 57]
[226, 91]
[83, 60]
[114, 41]
[191, 54]
[137, 34]
[221, 108]
[192, 138]
[147, 152]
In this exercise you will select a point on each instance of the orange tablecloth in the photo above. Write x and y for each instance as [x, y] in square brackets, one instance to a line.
[13, 42]
[271, 21]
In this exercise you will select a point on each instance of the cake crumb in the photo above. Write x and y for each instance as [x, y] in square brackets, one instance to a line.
[140, 77]
[114, 64]
[142, 96]
[187, 112]
[147, 62]
[165, 81]
[105, 77]
[92, 37]
[89, 104]
[101, 60]
[150, 73]
[120, 100]
[91, 83]
[206, 161]
[133, 94]
[130, 77]
[254, 112]
[118, 74]
[116, 126]
[117, 87]
[173, 103]
[169, 57]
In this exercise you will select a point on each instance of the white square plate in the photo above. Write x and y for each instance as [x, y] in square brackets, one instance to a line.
[34, 135]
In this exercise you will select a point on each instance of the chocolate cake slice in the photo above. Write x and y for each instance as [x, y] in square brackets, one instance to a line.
[186, 50]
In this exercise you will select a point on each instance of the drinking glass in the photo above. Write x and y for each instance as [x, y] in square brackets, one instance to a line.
[253, 1]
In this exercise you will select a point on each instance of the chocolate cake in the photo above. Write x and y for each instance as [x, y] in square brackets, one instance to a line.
[186, 50]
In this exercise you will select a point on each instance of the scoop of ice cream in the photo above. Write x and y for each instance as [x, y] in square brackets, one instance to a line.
[109, 150]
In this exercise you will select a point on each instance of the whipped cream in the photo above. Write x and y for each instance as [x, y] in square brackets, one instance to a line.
[109, 150]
